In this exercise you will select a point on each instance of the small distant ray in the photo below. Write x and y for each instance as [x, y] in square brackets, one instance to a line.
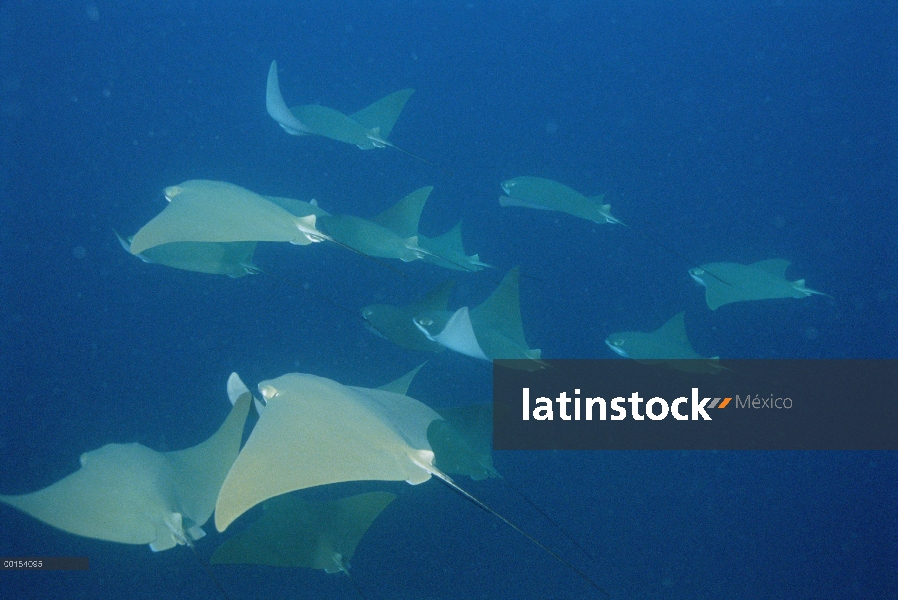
[391, 234]
[448, 251]
[490, 331]
[668, 344]
[366, 129]
[394, 234]
[763, 280]
[545, 194]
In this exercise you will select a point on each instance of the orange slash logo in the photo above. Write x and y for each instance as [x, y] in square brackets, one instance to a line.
[716, 403]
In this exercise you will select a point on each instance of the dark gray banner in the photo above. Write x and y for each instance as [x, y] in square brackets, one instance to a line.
[696, 405]
[44, 563]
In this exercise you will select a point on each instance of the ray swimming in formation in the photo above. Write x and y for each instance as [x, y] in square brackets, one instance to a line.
[391, 234]
[293, 532]
[315, 431]
[546, 194]
[216, 211]
[234, 259]
[448, 251]
[491, 330]
[366, 129]
[668, 344]
[130, 494]
[763, 280]
[394, 234]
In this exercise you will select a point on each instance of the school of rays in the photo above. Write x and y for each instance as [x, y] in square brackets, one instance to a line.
[312, 431]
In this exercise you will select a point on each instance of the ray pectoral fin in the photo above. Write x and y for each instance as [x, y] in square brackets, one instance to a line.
[458, 335]
[382, 115]
[126, 244]
[277, 108]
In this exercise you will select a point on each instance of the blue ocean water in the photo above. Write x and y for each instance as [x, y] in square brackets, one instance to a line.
[729, 131]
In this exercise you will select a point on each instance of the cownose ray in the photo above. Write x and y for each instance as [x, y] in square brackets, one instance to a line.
[396, 323]
[763, 280]
[668, 344]
[293, 532]
[315, 431]
[546, 194]
[365, 129]
[214, 209]
[394, 234]
[391, 234]
[202, 210]
[311, 210]
[130, 494]
[448, 251]
[234, 259]
[492, 330]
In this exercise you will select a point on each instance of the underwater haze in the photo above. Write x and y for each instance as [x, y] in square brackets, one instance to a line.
[724, 131]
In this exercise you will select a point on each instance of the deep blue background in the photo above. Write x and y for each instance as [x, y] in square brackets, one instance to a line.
[732, 131]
